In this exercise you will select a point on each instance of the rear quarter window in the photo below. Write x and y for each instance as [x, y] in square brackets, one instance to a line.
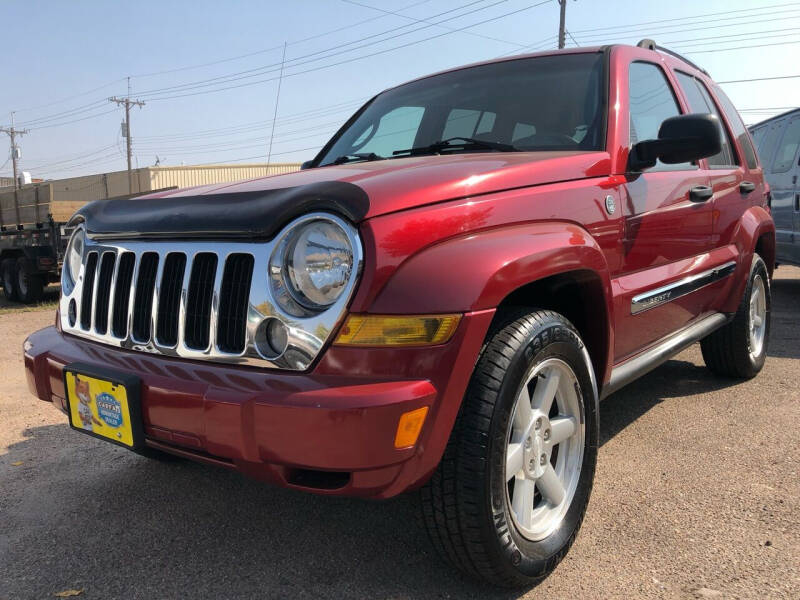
[737, 125]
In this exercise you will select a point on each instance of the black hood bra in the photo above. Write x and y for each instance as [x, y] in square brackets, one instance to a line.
[251, 215]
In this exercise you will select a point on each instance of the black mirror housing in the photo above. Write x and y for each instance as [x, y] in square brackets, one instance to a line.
[306, 165]
[681, 139]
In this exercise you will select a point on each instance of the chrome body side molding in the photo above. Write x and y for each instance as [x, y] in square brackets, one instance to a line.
[682, 287]
[651, 358]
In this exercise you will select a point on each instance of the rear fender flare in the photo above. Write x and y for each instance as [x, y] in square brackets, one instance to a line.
[754, 223]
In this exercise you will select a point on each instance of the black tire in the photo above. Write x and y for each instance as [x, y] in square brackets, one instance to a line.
[728, 351]
[465, 505]
[29, 286]
[8, 273]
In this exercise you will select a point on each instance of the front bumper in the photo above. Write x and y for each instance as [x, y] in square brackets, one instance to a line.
[329, 431]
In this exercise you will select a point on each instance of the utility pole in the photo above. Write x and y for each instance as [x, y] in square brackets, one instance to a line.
[127, 103]
[13, 132]
[562, 29]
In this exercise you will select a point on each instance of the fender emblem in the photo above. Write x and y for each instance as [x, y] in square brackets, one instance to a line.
[611, 206]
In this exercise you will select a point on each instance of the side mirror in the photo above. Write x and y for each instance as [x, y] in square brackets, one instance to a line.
[681, 139]
[307, 165]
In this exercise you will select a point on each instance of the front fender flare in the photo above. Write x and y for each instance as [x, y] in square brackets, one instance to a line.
[477, 271]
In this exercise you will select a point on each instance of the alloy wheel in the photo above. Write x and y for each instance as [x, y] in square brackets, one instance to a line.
[544, 449]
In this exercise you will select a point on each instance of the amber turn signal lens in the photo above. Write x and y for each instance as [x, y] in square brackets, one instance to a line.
[390, 330]
[409, 427]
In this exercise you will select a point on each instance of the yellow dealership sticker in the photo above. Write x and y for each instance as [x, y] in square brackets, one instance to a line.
[101, 407]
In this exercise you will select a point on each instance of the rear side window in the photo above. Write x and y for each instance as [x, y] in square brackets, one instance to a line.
[651, 103]
[700, 102]
[787, 149]
[739, 130]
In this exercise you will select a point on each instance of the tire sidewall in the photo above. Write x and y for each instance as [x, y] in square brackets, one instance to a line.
[550, 340]
[758, 267]
[7, 272]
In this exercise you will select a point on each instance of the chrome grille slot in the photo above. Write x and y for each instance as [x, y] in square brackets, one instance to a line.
[87, 297]
[143, 298]
[103, 293]
[122, 294]
[169, 298]
[231, 322]
[197, 327]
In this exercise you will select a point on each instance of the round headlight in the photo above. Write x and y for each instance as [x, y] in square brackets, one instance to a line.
[74, 256]
[318, 261]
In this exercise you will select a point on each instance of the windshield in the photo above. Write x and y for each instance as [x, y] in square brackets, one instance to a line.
[543, 103]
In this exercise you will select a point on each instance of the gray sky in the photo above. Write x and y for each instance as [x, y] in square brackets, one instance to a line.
[208, 70]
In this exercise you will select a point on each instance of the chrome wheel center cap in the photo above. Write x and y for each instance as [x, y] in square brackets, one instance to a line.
[537, 448]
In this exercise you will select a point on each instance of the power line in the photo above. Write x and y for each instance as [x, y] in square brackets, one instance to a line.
[71, 158]
[472, 33]
[353, 59]
[682, 27]
[760, 79]
[264, 69]
[63, 114]
[78, 95]
[273, 48]
[683, 19]
[77, 110]
[100, 114]
[739, 47]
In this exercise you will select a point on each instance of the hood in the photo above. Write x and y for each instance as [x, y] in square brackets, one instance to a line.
[257, 208]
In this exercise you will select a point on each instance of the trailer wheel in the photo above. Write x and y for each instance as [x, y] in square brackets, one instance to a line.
[30, 286]
[7, 272]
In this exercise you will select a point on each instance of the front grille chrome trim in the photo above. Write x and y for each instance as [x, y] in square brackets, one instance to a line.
[307, 335]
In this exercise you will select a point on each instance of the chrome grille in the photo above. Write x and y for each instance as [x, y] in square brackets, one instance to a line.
[198, 303]
[169, 298]
[122, 294]
[87, 298]
[102, 294]
[233, 302]
[195, 299]
[143, 296]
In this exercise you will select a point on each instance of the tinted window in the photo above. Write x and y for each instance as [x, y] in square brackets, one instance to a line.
[769, 138]
[467, 123]
[559, 99]
[739, 129]
[787, 150]
[651, 102]
[758, 135]
[395, 129]
[700, 102]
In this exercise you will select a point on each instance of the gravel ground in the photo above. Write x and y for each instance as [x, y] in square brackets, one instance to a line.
[697, 494]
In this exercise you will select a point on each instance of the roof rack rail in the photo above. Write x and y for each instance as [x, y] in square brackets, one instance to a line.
[651, 45]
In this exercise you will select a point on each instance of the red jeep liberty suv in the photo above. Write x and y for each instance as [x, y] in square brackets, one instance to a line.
[438, 301]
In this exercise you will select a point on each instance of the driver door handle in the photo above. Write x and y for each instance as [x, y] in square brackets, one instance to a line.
[746, 187]
[700, 193]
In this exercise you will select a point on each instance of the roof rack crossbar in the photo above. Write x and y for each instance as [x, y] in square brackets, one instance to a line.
[651, 45]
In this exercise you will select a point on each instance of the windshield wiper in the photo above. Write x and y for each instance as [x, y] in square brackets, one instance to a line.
[457, 143]
[344, 158]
